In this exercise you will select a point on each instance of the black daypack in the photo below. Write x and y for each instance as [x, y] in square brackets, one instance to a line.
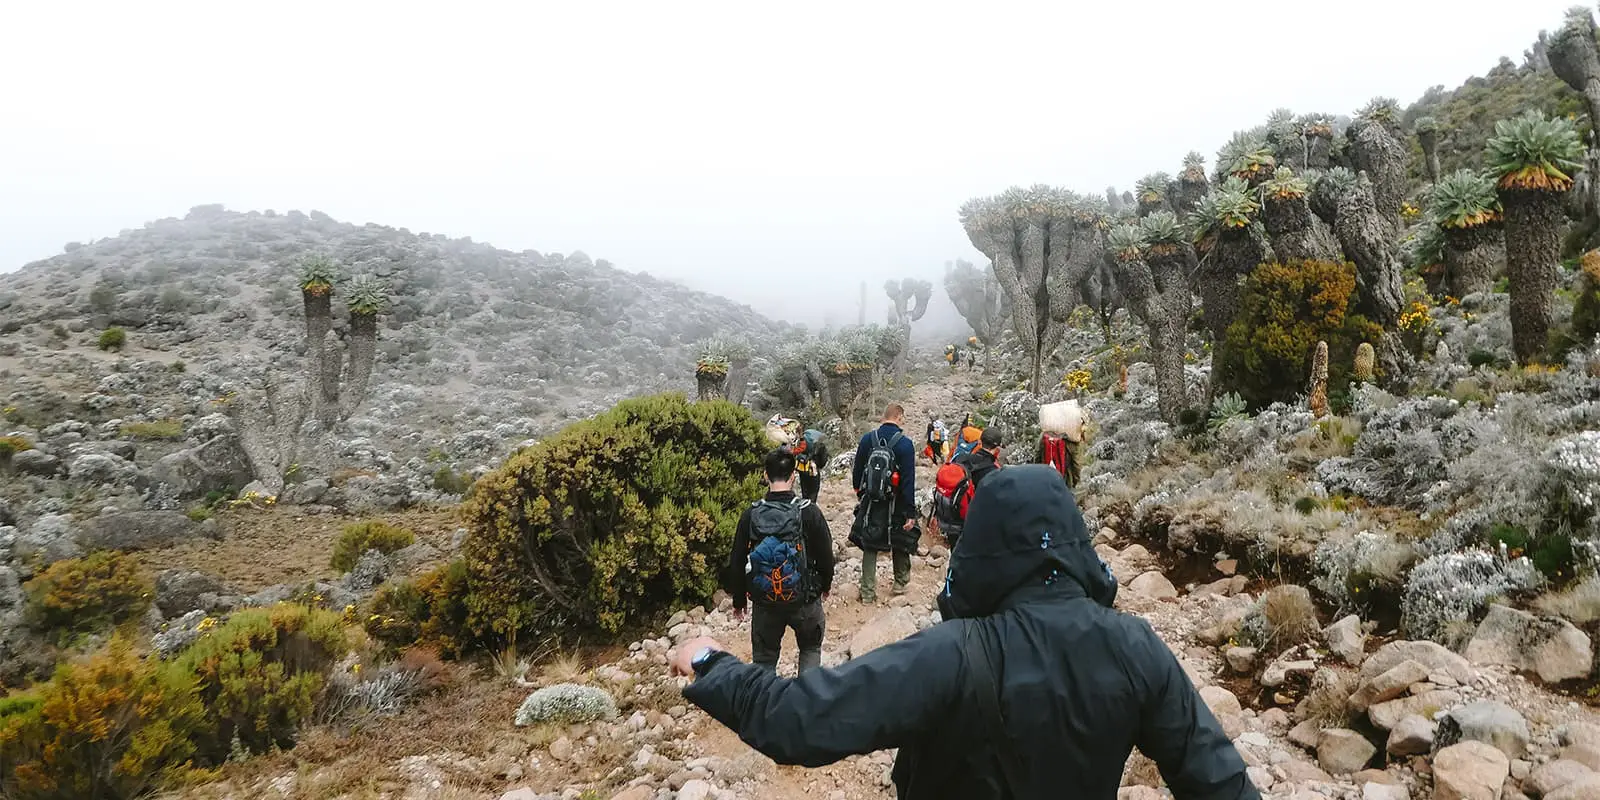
[778, 569]
[881, 476]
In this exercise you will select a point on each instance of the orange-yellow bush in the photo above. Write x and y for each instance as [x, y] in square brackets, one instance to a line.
[1285, 309]
[89, 593]
[430, 610]
[114, 726]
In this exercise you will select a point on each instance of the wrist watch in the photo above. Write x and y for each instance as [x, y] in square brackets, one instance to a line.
[700, 657]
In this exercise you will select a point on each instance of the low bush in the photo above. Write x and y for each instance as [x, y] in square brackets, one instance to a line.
[359, 537]
[259, 675]
[612, 521]
[449, 481]
[113, 339]
[163, 429]
[429, 611]
[1283, 618]
[113, 726]
[13, 444]
[566, 703]
[89, 593]
[1586, 306]
[1285, 309]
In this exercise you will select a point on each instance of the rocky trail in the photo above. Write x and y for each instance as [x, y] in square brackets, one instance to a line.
[1445, 727]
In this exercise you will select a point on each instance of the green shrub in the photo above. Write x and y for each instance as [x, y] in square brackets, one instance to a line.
[614, 520]
[430, 611]
[1586, 307]
[1481, 358]
[1306, 505]
[163, 429]
[1552, 553]
[13, 444]
[449, 481]
[89, 593]
[113, 339]
[1285, 309]
[114, 726]
[259, 675]
[359, 537]
[198, 513]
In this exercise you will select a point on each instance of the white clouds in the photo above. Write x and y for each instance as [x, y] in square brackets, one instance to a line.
[716, 141]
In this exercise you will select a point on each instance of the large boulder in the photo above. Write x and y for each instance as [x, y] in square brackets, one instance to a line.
[179, 591]
[51, 538]
[36, 462]
[1549, 647]
[1439, 660]
[1469, 771]
[1387, 715]
[1551, 776]
[219, 465]
[887, 628]
[103, 469]
[1412, 736]
[1489, 721]
[139, 530]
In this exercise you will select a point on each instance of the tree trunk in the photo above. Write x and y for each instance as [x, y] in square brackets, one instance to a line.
[1366, 234]
[1473, 258]
[1533, 246]
[738, 383]
[710, 385]
[332, 368]
[1295, 232]
[1167, 328]
[319, 321]
[1319, 150]
[1430, 154]
[1233, 256]
[1378, 154]
[839, 393]
[363, 349]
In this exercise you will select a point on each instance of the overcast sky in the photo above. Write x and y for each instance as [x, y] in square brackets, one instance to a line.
[776, 154]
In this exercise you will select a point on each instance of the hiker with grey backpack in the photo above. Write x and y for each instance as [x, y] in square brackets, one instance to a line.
[782, 563]
[885, 477]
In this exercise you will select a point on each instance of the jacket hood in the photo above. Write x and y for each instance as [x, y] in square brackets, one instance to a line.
[1023, 529]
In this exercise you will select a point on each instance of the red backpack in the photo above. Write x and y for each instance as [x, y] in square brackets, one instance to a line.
[952, 493]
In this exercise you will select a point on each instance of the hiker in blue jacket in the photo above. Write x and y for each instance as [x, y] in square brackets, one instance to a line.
[886, 524]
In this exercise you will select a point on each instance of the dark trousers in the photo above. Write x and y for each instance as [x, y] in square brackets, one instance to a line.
[767, 624]
[810, 485]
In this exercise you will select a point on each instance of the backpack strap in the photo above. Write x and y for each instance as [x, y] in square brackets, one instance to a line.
[986, 690]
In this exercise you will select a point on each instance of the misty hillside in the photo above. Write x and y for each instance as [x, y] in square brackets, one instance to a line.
[475, 337]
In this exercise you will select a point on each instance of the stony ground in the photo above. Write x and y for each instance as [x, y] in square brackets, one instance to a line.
[1516, 738]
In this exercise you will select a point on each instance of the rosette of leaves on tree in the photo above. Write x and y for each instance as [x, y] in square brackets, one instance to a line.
[1465, 214]
[1295, 231]
[1151, 192]
[834, 359]
[1248, 157]
[1191, 185]
[711, 369]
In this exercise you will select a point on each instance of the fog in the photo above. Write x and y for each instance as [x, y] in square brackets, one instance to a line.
[778, 155]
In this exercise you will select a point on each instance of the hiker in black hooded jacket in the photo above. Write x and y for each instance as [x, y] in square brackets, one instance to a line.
[1028, 610]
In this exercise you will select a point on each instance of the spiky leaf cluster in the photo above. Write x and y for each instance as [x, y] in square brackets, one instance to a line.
[318, 274]
[1464, 199]
[1426, 125]
[1427, 247]
[713, 357]
[1382, 110]
[833, 355]
[861, 347]
[1534, 153]
[1162, 230]
[1282, 127]
[1246, 155]
[1194, 168]
[1230, 207]
[1335, 180]
[1285, 185]
[1126, 241]
[1153, 187]
[1093, 210]
[1317, 125]
[1018, 204]
[366, 295]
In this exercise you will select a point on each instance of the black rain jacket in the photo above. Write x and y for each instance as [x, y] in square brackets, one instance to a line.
[1081, 685]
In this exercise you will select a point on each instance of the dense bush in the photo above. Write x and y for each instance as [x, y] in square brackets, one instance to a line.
[430, 611]
[1285, 309]
[13, 444]
[113, 339]
[359, 537]
[259, 675]
[89, 593]
[613, 520]
[114, 726]
[1586, 307]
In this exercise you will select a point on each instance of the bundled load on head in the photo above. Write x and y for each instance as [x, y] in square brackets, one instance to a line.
[782, 430]
[1061, 426]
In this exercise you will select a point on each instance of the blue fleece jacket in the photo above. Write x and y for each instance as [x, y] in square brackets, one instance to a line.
[905, 450]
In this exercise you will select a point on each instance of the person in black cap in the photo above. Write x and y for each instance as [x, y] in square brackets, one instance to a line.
[1034, 687]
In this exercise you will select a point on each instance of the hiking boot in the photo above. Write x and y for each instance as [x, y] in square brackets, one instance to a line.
[900, 589]
[868, 599]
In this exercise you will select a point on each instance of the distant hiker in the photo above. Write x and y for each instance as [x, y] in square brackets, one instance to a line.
[884, 478]
[782, 561]
[951, 355]
[1034, 687]
[957, 482]
[810, 458]
[1062, 427]
[938, 437]
[972, 352]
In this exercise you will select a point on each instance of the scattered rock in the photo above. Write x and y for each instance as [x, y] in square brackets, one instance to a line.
[696, 790]
[561, 749]
[179, 591]
[1489, 721]
[36, 462]
[370, 570]
[219, 465]
[886, 628]
[1554, 775]
[524, 793]
[1228, 566]
[1341, 751]
[1372, 790]
[1387, 686]
[1154, 586]
[1279, 672]
[1387, 715]
[1470, 770]
[635, 793]
[51, 538]
[1305, 734]
[1241, 659]
[1347, 640]
[139, 530]
[1435, 657]
[1412, 736]
[1549, 647]
[1584, 788]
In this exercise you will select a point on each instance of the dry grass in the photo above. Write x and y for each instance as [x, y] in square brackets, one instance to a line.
[1578, 604]
[563, 668]
[1290, 615]
[509, 666]
[1328, 702]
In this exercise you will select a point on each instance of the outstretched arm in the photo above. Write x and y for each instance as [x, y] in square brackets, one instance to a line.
[1178, 731]
[881, 700]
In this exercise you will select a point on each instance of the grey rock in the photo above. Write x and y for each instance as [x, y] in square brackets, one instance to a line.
[219, 465]
[1584, 788]
[1372, 790]
[1412, 736]
[178, 635]
[140, 530]
[1549, 647]
[305, 493]
[1431, 655]
[371, 569]
[1489, 721]
[1280, 671]
[1241, 659]
[1153, 585]
[1387, 686]
[179, 591]
[103, 469]
[1553, 775]
[1347, 640]
[1469, 771]
[51, 538]
[407, 559]
[886, 628]
[36, 462]
[1341, 751]
[1387, 715]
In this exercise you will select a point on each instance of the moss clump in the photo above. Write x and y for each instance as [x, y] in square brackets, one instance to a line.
[359, 537]
[112, 339]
